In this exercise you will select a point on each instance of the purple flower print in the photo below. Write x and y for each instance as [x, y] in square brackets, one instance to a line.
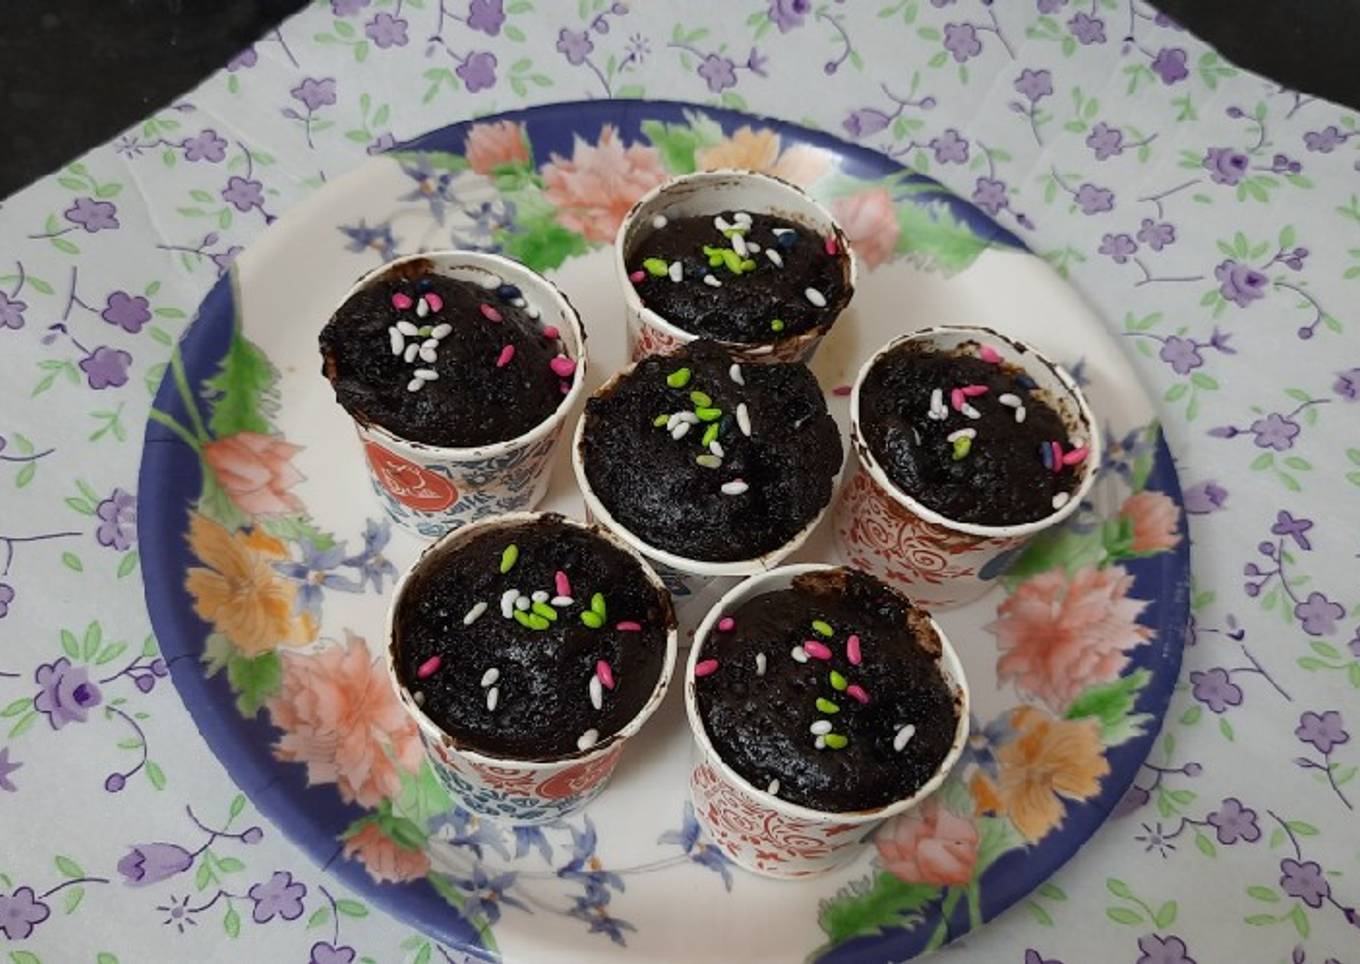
[382, 143]
[20, 912]
[1169, 64]
[6, 770]
[788, 14]
[6, 597]
[1203, 498]
[1347, 383]
[1324, 141]
[1240, 283]
[949, 148]
[486, 16]
[1296, 529]
[1225, 165]
[1094, 200]
[863, 123]
[11, 312]
[92, 215]
[386, 31]
[67, 694]
[323, 953]
[1305, 881]
[1156, 234]
[719, 71]
[575, 46]
[223, 259]
[151, 863]
[961, 40]
[1275, 432]
[128, 312]
[347, 8]
[1233, 822]
[1215, 689]
[117, 520]
[279, 896]
[1163, 950]
[246, 58]
[990, 195]
[106, 367]
[206, 146]
[1087, 29]
[1034, 84]
[756, 63]
[1181, 354]
[243, 193]
[1118, 246]
[1105, 140]
[478, 71]
[1048, 6]
[315, 94]
[1323, 731]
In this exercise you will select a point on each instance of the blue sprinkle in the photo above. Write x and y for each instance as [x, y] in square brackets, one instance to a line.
[1027, 383]
[424, 284]
[507, 293]
[1046, 453]
[786, 239]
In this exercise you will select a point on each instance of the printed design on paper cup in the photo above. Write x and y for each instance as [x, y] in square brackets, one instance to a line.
[409, 483]
[581, 778]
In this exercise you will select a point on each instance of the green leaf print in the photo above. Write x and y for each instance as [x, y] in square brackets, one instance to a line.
[254, 681]
[1112, 705]
[870, 906]
[931, 232]
[540, 242]
[244, 391]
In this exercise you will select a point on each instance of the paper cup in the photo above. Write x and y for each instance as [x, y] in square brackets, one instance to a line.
[768, 835]
[505, 788]
[938, 561]
[430, 489]
[711, 192]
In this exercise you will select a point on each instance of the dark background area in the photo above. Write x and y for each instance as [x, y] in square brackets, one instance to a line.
[73, 73]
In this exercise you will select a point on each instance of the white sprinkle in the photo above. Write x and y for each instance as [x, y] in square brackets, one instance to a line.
[519, 302]
[414, 385]
[406, 328]
[398, 342]
[753, 247]
[916, 435]
[1009, 400]
[820, 727]
[522, 603]
[969, 433]
[532, 311]
[422, 308]
[411, 351]
[816, 297]
[680, 430]
[1060, 500]
[540, 596]
[426, 374]
[721, 224]
[596, 693]
[673, 421]
[474, 614]
[716, 449]
[799, 654]
[419, 697]
[490, 676]
[820, 743]
[1020, 414]
[491, 282]
[493, 696]
[744, 419]
[689, 417]
[735, 487]
[902, 737]
[780, 232]
[773, 788]
[561, 602]
[659, 221]
[710, 462]
[508, 602]
[676, 271]
[428, 355]
[711, 281]
[441, 332]
[774, 257]
[588, 739]
[739, 245]
[734, 373]
[741, 217]
[970, 411]
[430, 343]
[760, 664]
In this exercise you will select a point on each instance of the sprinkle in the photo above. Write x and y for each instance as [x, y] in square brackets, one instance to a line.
[538, 622]
[682, 416]
[962, 446]
[732, 260]
[426, 374]
[605, 674]
[1061, 500]
[989, 354]
[785, 236]
[705, 667]
[706, 414]
[562, 366]
[820, 727]
[739, 245]
[1027, 383]
[410, 353]
[957, 434]
[973, 391]
[774, 257]
[661, 421]
[820, 743]
[676, 271]
[561, 602]
[507, 353]
[816, 297]
[1057, 460]
[551, 331]
[776, 325]
[422, 308]
[744, 419]
[715, 446]
[533, 312]
[816, 650]
[799, 654]
[710, 437]
[721, 224]
[842, 390]
[493, 697]
[509, 556]
[903, 736]
[593, 620]
[655, 267]
[711, 281]
[398, 342]
[400, 300]
[597, 604]
[971, 412]
[700, 399]
[735, 487]
[490, 676]
[708, 461]
[772, 788]
[546, 611]
[429, 667]
[680, 430]
[414, 385]
[956, 399]
[539, 595]
[419, 697]
[659, 221]
[830, 246]
[742, 217]
[522, 602]
[434, 301]
[836, 741]
[596, 693]
[678, 378]
[508, 602]
[1009, 399]
[428, 355]
[852, 650]
[1076, 456]
[588, 739]
[491, 282]
[523, 618]
[629, 626]
[760, 664]
[824, 705]
[855, 691]
[1020, 414]
[562, 583]
[734, 373]
[508, 292]
[636, 276]
[475, 613]
[822, 628]
[837, 681]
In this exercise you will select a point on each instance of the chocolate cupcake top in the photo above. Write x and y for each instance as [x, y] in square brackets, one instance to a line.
[533, 641]
[710, 459]
[443, 361]
[740, 277]
[968, 435]
[828, 694]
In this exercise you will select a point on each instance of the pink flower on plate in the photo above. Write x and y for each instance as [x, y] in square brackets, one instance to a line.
[1154, 519]
[869, 220]
[594, 188]
[257, 472]
[384, 858]
[929, 845]
[340, 716]
[493, 145]
[1058, 636]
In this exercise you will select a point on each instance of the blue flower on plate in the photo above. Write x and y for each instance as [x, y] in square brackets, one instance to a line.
[984, 741]
[487, 894]
[376, 237]
[473, 832]
[370, 561]
[1121, 452]
[700, 852]
[314, 572]
[532, 838]
[584, 866]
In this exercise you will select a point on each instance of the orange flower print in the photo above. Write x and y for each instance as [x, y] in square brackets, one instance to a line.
[929, 845]
[594, 188]
[384, 858]
[1058, 637]
[240, 593]
[257, 472]
[1154, 519]
[340, 716]
[1048, 758]
[869, 220]
[494, 145]
[758, 150]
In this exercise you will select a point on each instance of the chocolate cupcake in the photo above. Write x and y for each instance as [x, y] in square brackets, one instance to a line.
[706, 459]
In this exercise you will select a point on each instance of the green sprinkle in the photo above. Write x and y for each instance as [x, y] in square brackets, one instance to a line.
[715, 257]
[823, 628]
[524, 619]
[546, 611]
[538, 622]
[656, 267]
[732, 260]
[836, 741]
[734, 231]
[509, 556]
[838, 681]
[678, 378]
[593, 620]
[597, 604]
[710, 434]
[708, 461]
[661, 420]
[425, 330]
[748, 265]
[824, 705]
[708, 414]
[700, 399]
[962, 445]
[776, 325]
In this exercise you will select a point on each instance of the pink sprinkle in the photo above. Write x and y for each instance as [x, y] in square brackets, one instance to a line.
[605, 674]
[726, 624]
[852, 652]
[973, 391]
[434, 301]
[815, 649]
[1057, 456]
[637, 276]
[857, 692]
[551, 331]
[705, 667]
[563, 583]
[628, 626]
[429, 667]
[563, 366]
[988, 354]
[956, 399]
[831, 246]
[1076, 455]
[489, 312]
[400, 301]
[507, 353]
[841, 390]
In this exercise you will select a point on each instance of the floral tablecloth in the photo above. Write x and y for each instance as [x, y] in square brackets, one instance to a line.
[1212, 215]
